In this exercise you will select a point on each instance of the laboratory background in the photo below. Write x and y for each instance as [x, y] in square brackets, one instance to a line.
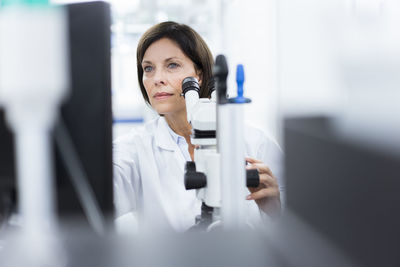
[228, 27]
[299, 57]
[324, 82]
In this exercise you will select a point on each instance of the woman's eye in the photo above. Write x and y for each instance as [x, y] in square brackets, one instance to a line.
[148, 68]
[173, 65]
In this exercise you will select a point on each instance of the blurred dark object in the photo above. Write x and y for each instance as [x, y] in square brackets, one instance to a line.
[7, 171]
[348, 193]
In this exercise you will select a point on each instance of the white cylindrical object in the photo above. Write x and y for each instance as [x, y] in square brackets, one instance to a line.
[33, 52]
[191, 99]
[208, 162]
[233, 174]
[213, 192]
[35, 184]
[34, 78]
[214, 96]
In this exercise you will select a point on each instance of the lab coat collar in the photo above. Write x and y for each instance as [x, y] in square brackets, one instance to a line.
[163, 137]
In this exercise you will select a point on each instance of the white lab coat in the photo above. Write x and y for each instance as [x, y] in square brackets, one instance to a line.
[149, 171]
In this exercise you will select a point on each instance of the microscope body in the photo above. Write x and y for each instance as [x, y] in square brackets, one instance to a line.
[204, 173]
[218, 172]
[206, 157]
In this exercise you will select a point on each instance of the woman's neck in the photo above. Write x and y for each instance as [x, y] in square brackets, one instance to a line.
[179, 124]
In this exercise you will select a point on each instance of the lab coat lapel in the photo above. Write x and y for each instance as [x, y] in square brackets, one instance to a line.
[165, 141]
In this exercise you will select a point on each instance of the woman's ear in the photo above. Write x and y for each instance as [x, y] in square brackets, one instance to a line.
[199, 76]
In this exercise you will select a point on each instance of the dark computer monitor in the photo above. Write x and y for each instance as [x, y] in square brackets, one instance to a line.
[348, 192]
[86, 116]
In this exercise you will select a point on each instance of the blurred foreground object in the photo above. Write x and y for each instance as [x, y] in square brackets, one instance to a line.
[346, 191]
[291, 243]
[34, 79]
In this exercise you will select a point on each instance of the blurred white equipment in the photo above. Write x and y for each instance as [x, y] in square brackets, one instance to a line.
[33, 82]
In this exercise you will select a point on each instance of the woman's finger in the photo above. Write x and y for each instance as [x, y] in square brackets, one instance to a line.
[252, 160]
[268, 180]
[263, 193]
[261, 167]
[265, 181]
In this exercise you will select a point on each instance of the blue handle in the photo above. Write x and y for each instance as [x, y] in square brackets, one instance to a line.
[240, 81]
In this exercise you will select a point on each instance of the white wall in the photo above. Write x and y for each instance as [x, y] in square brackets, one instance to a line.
[307, 75]
[342, 58]
[250, 38]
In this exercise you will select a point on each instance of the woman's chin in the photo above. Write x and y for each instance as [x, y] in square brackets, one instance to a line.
[166, 109]
[163, 111]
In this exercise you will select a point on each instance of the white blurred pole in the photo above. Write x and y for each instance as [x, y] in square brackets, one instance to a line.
[34, 78]
[35, 183]
[233, 173]
[33, 81]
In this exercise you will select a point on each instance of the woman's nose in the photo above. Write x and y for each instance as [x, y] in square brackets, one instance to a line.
[159, 77]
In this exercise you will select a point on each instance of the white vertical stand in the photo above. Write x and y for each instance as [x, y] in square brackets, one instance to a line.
[233, 173]
[34, 79]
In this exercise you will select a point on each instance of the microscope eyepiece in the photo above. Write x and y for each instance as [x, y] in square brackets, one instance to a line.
[190, 83]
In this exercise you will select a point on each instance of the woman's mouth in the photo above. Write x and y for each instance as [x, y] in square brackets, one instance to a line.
[162, 95]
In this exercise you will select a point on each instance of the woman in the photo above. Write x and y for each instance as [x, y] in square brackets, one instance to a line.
[149, 163]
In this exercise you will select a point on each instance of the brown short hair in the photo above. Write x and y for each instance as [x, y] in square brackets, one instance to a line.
[191, 44]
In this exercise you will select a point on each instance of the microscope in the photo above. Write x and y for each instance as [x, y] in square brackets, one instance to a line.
[218, 171]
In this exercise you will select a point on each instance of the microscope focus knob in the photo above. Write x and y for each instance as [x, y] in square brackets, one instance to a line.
[252, 178]
[194, 179]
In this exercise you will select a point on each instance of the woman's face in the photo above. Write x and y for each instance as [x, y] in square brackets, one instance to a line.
[164, 67]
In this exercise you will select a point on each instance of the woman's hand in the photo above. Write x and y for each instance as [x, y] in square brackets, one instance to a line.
[266, 195]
